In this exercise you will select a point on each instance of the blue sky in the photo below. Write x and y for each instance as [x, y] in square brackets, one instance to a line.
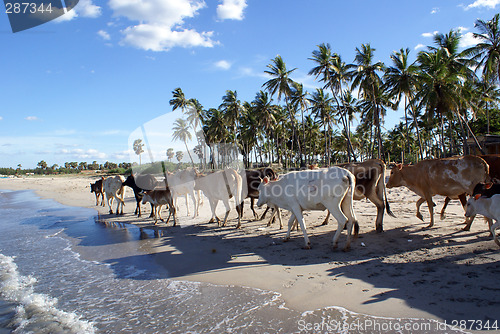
[76, 89]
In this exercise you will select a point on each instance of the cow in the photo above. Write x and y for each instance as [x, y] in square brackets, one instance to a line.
[493, 161]
[158, 198]
[450, 177]
[140, 183]
[331, 188]
[221, 186]
[98, 190]
[114, 189]
[182, 184]
[370, 184]
[254, 178]
[488, 207]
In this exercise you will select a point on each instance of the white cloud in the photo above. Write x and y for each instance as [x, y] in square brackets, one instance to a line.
[1, 118]
[419, 46]
[161, 38]
[483, 3]
[223, 64]
[435, 10]
[31, 118]
[160, 24]
[462, 29]
[87, 9]
[231, 9]
[429, 34]
[468, 40]
[83, 154]
[84, 8]
[104, 35]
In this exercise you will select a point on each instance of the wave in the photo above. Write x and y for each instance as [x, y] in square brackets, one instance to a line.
[35, 312]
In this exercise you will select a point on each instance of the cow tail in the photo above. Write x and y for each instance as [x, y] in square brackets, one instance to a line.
[352, 187]
[387, 207]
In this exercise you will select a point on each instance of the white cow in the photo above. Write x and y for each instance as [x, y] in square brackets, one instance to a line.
[113, 188]
[329, 188]
[488, 207]
[182, 184]
[221, 186]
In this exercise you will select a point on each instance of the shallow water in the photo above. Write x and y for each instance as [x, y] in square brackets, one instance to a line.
[61, 271]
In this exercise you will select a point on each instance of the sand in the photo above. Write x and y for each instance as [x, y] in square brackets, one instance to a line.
[409, 271]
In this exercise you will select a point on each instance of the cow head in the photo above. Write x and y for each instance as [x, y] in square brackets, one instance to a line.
[262, 188]
[470, 207]
[396, 179]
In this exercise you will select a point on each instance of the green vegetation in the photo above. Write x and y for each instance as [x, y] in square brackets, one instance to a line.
[447, 96]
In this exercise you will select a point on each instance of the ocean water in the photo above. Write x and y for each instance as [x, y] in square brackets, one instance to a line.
[50, 283]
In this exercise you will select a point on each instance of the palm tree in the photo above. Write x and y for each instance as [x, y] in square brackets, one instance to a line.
[138, 148]
[442, 73]
[298, 101]
[281, 84]
[231, 108]
[179, 100]
[334, 74]
[181, 132]
[365, 76]
[179, 155]
[400, 79]
[170, 154]
[486, 54]
[265, 114]
[321, 108]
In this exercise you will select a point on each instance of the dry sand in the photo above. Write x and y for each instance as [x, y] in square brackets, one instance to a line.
[440, 273]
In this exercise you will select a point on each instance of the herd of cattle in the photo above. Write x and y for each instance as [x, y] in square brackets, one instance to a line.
[332, 189]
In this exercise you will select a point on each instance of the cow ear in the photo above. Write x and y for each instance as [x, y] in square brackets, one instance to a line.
[488, 185]
[265, 180]
[477, 196]
[400, 166]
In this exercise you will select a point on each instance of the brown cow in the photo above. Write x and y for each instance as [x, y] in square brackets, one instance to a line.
[450, 177]
[254, 178]
[493, 161]
[370, 184]
[98, 189]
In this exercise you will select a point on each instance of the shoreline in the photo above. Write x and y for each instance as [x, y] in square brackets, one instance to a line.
[405, 272]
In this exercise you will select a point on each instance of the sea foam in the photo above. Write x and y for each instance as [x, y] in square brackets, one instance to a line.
[36, 312]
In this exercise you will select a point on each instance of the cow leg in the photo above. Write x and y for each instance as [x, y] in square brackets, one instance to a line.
[194, 203]
[446, 201]
[341, 218]
[378, 200]
[239, 210]
[110, 203]
[419, 203]
[300, 219]
[264, 214]
[153, 212]
[187, 205]
[278, 212]
[228, 209]
[252, 203]
[325, 222]
[430, 205]
[291, 220]
[493, 231]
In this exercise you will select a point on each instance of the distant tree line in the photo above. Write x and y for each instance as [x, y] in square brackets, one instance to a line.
[72, 167]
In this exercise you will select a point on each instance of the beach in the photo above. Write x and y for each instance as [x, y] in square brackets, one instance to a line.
[409, 271]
